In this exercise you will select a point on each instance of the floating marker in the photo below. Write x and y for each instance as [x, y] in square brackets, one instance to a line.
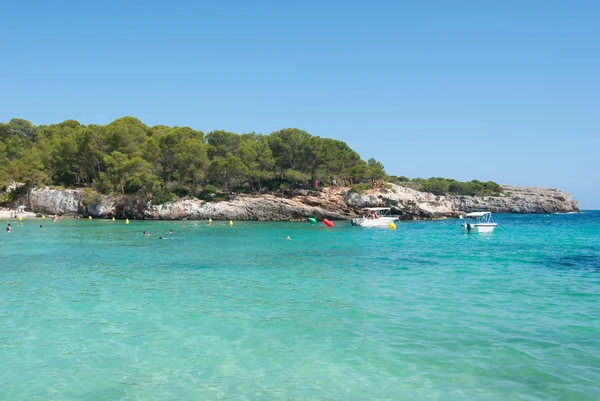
[126, 221]
[113, 219]
[89, 217]
[43, 217]
[392, 226]
[328, 223]
[312, 220]
[20, 218]
[230, 223]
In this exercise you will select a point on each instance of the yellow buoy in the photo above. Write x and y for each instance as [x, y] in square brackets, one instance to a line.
[230, 223]
[89, 217]
[20, 218]
[126, 221]
[43, 217]
[113, 219]
[392, 226]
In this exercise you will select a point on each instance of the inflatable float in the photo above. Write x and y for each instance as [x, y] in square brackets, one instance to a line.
[328, 223]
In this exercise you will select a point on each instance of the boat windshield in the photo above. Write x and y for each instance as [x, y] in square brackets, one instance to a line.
[479, 217]
[375, 212]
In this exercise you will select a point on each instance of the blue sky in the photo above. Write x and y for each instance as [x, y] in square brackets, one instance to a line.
[505, 91]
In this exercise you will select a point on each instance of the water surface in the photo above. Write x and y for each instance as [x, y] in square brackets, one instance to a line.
[94, 310]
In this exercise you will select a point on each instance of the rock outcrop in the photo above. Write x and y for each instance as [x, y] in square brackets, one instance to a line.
[330, 203]
[405, 202]
[54, 201]
[411, 204]
[521, 200]
[260, 207]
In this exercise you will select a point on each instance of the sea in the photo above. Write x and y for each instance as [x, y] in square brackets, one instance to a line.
[95, 310]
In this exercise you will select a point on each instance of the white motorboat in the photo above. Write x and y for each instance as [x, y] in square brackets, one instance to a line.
[375, 217]
[478, 222]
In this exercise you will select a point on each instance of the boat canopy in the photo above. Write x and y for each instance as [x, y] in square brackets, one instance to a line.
[477, 214]
[375, 209]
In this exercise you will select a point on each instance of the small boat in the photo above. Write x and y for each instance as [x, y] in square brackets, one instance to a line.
[478, 222]
[375, 217]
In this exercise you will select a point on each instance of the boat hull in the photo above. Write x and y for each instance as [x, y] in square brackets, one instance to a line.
[479, 228]
[380, 222]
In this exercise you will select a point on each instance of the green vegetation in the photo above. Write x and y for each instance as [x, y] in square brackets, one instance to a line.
[447, 186]
[160, 162]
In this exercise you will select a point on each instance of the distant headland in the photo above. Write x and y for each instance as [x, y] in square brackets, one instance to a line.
[128, 169]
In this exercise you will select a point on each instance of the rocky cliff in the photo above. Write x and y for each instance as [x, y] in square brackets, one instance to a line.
[521, 200]
[262, 208]
[54, 201]
[331, 203]
[411, 204]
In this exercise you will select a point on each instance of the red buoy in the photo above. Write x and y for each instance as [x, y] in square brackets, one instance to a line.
[328, 223]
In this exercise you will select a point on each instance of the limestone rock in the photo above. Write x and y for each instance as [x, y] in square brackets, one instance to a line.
[245, 207]
[330, 203]
[104, 208]
[54, 201]
[409, 203]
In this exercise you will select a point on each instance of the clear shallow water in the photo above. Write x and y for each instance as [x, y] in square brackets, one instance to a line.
[93, 310]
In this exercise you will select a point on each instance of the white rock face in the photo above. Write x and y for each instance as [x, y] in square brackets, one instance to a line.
[330, 203]
[414, 204]
[55, 201]
[102, 209]
[522, 200]
[406, 202]
[262, 208]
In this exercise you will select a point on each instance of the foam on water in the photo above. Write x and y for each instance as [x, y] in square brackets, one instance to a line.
[94, 310]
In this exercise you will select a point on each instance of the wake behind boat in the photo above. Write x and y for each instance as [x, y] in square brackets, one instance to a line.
[375, 217]
[478, 222]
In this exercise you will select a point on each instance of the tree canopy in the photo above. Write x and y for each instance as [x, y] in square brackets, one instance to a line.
[126, 156]
[129, 157]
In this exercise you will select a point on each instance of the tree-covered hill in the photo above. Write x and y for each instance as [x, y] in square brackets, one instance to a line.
[127, 157]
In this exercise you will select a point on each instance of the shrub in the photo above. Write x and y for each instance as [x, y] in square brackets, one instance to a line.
[360, 188]
[436, 186]
[162, 196]
[90, 196]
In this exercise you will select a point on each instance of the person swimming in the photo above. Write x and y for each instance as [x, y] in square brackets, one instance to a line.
[8, 228]
[288, 237]
[146, 233]
[170, 231]
[161, 237]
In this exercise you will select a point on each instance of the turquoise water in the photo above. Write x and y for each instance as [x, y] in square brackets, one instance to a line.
[93, 310]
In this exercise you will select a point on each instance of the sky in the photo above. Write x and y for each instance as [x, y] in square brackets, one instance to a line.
[504, 91]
